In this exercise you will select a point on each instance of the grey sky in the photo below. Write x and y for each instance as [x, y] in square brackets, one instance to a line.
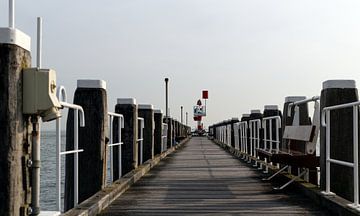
[246, 53]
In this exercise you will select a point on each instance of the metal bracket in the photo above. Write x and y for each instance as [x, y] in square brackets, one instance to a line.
[291, 181]
[275, 174]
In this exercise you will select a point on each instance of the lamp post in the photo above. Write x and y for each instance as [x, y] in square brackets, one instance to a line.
[187, 118]
[166, 97]
[182, 121]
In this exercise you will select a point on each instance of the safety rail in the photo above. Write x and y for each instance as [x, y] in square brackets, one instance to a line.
[268, 138]
[61, 94]
[164, 137]
[111, 144]
[237, 135]
[254, 126]
[243, 126]
[325, 115]
[140, 139]
[228, 134]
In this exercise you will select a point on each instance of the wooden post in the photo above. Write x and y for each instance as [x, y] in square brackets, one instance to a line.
[256, 114]
[129, 157]
[158, 119]
[146, 111]
[269, 111]
[232, 122]
[15, 130]
[92, 97]
[337, 92]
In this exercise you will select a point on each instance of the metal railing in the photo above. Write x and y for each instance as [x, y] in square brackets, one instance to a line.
[164, 137]
[243, 126]
[111, 144]
[355, 165]
[268, 137]
[254, 126]
[61, 94]
[237, 135]
[140, 139]
[228, 134]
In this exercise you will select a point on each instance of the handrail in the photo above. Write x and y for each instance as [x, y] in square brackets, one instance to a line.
[296, 103]
[112, 144]
[236, 135]
[140, 138]
[61, 94]
[243, 136]
[277, 136]
[254, 125]
[325, 122]
[164, 137]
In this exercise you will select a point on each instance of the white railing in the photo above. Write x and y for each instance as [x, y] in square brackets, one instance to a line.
[254, 126]
[112, 144]
[228, 134]
[355, 165]
[237, 135]
[243, 137]
[61, 94]
[268, 137]
[140, 139]
[164, 137]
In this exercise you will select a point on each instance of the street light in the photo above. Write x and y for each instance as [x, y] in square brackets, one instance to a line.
[166, 97]
[182, 121]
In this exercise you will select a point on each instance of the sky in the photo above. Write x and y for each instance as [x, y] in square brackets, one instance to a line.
[246, 53]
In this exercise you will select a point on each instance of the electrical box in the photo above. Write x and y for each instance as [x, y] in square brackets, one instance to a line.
[39, 93]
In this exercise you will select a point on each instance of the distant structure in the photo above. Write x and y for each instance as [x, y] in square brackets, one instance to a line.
[200, 112]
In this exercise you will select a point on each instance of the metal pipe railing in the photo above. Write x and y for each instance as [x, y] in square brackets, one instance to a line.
[325, 122]
[164, 137]
[296, 103]
[140, 139]
[112, 144]
[237, 135]
[228, 134]
[254, 126]
[268, 138]
[61, 94]
[243, 136]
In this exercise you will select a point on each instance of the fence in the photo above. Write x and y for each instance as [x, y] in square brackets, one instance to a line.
[111, 144]
[254, 127]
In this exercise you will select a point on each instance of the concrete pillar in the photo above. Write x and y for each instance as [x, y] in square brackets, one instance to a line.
[158, 141]
[15, 129]
[169, 122]
[146, 111]
[129, 158]
[92, 97]
[337, 92]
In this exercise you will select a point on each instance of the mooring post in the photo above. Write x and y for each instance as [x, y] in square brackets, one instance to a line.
[129, 109]
[15, 129]
[92, 97]
[337, 92]
[146, 111]
[158, 120]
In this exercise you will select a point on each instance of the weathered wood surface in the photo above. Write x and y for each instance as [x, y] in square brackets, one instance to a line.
[203, 179]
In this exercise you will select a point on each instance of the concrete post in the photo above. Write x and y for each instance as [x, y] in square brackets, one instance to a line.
[158, 119]
[337, 92]
[15, 130]
[129, 158]
[92, 96]
[146, 111]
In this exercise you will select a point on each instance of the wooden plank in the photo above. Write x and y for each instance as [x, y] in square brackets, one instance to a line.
[301, 133]
[203, 179]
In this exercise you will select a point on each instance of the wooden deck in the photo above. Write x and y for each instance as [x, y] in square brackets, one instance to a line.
[203, 179]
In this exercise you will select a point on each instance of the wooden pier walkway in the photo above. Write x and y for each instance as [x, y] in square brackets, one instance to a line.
[201, 178]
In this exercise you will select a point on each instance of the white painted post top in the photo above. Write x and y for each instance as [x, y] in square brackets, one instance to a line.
[16, 37]
[146, 106]
[88, 83]
[126, 101]
[246, 115]
[255, 111]
[158, 111]
[235, 119]
[271, 107]
[339, 84]
[294, 98]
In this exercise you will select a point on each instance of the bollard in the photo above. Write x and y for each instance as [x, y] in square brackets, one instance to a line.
[168, 121]
[337, 92]
[129, 157]
[158, 119]
[15, 128]
[146, 111]
[92, 96]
